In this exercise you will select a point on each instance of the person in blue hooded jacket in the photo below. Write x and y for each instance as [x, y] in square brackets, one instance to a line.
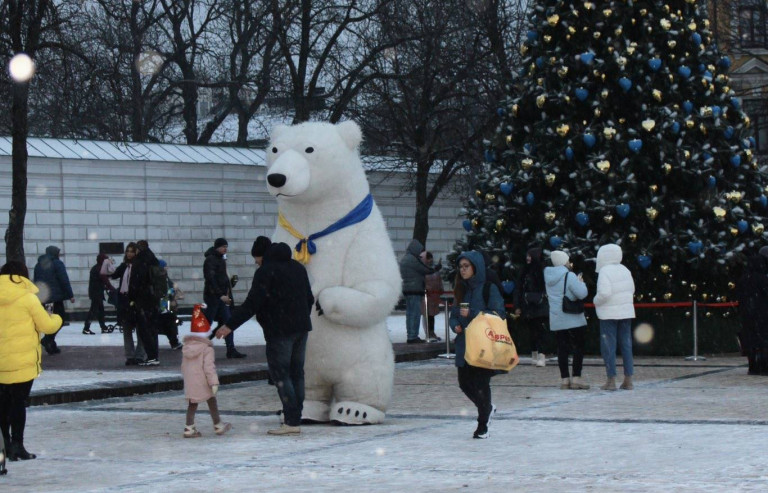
[50, 276]
[468, 289]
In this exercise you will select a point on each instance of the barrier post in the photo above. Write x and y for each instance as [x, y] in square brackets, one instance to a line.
[447, 305]
[695, 356]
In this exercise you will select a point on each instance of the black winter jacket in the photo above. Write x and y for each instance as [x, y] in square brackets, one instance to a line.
[139, 290]
[215, 274]
[280, 296]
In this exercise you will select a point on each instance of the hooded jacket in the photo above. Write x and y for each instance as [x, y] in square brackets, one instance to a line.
[280, 296]
[23, 320]
[215, 273]
[51, 276]
[474, 296]
[139, 290]
[531, 281]
[413, 270]
[554, 278]
[615, 286]
[198, 368]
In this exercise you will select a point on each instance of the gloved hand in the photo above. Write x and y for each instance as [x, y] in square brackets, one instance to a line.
[214, 389]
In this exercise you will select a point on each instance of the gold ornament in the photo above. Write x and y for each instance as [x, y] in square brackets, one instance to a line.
[475, 223]
[706, 23]
[667, 296]
[734, 232]
[703, 128]
[689, 123]
[604, 165]
[572, 30]
[515, 109]
[549, 178]
[607, 12]
[527, 163]
[731, 285]
[609, 132]
[608, 218]
[664, 269]
[653, 188]
[687, 154]
[541, 100]
[597, 34]
[734, 196]
[549, 217]
[694, 287]
[622, 120]
[500, 224]
[509, 139]
[671, 43]
[687, 314]
[621, 61]
[664, 23]
[706, 111]
[589, 5]
[632, 237]
[604, 93]
[746, 121]
[552, 20]
[547, 38]
[692, 26]
[643, 12]
[648, 125]
[758, 228]
[631, 49]
[708, 314]
[479, 193]
[618, 31]
[651, 213]
[562, 130]
[657, 95]
[562, 71]
[490, 197]
[524, 49]
[540, 81]
[667, 168]
[719, 213]
[597, 112]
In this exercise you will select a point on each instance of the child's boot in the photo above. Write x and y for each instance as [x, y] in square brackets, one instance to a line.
[190, 431]
[221, 428]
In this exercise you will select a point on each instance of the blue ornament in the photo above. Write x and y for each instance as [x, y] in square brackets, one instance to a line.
[644, 261]
[707, 76]
[725, 62]
[527, 148]
[622, 210]
[508, 286]
[530, 198]
[582, 93]
[675, 127]
[752, 142]
[707, 158]
[688, 106]
[489, 156]
[742, 225]
[745, 143]
[500, 111]
[728, 132]
[684, 71]
[654, 64]
[736, 102]
[569, 153]
[736, 160]
[763, 200]
[555, 241]
[540, 61]
[532, 35]
[711, 182]
[467, 224]
[716, 111]
[696, 38]
[506, 188]
[625, 84]
[695, 247]
[587, 57]
[635, 145]
[589, 140]
[582, 218]
[702, 67]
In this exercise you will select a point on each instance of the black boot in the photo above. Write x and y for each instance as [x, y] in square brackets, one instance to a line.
[18, 452]
[87, 330]
[234, 353]
[3, 470]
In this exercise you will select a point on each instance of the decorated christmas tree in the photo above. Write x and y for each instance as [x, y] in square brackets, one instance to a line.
[623, 129]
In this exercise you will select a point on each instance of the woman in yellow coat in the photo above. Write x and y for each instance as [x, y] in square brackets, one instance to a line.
[22, 320]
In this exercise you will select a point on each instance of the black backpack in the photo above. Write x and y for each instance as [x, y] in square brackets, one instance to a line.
[158, 282]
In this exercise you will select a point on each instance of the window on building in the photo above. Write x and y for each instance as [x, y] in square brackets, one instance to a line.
[757, 110]
[752, 23]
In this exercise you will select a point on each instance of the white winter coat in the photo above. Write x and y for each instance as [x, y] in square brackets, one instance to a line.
[615, 287]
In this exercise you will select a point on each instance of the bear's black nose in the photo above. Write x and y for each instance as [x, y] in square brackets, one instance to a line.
[276, 180]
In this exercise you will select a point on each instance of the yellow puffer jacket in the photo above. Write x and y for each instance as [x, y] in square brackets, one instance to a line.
[22, 320]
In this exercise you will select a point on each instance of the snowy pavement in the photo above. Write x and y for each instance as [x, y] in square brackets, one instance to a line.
[687, 426]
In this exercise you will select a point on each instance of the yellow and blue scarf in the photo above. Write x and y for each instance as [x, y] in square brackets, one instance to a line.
[306, 247]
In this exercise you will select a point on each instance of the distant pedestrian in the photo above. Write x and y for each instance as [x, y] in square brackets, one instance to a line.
[532, 305]
[52, 280]
[201, 383]
[752, 294]
[126, 315]
[22, 320]
[469, 294]
[614, 304]
[569, 328]
[144, 302]
[167, 319]
[96, 295]
[281, 298]
[217, 292]
[433, 284]
[412, 271]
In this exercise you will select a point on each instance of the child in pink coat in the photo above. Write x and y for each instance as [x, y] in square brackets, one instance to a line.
[200, 379]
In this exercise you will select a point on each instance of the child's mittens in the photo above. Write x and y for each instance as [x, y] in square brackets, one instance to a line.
[215, 388]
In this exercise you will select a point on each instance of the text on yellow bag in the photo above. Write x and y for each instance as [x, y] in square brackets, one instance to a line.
[488, 344]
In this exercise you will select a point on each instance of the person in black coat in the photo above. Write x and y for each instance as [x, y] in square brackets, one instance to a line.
[531, 304]
[217, 292]
[96, 294]
[281, 298]
[143, 302]
[752, 294]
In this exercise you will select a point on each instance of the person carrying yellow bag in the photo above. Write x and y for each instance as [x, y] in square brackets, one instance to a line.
[470, 299]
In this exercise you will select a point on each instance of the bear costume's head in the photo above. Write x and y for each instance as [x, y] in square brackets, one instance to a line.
[308, 162]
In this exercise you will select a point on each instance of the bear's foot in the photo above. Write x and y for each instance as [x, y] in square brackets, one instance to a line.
[315, 412]
[354, 413]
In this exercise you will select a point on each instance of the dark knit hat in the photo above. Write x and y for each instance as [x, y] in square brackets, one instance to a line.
[220, 242]
[260, 246]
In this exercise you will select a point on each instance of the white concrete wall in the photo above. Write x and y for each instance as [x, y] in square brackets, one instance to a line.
[180, 208]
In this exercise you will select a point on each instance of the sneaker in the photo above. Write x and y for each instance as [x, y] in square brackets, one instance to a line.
[418, 340]
[150, 362]
[88, 332]
[176, 346]
[541, 361]
[481, 432]
[578, 384]
[535, 358]
[490, 416]
[433, 338]
[285, 430]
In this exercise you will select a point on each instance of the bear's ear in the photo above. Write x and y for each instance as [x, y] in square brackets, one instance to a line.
[350, 133]
[277, 131]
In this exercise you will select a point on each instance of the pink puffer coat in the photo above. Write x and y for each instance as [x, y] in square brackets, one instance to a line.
[198, 368]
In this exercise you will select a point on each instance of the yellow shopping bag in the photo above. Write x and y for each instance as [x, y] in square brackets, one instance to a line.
[488, 344]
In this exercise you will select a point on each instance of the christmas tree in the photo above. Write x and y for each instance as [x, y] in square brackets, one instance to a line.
[623, 129]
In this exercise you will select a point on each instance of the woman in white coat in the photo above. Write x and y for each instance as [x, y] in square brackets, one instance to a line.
[615, 309]
[569, 328]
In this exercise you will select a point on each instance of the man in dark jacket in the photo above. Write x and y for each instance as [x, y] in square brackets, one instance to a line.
[96, 294]
[143, 301]
[413, 270]
[217, 292]
[53, 282]
[281, 298]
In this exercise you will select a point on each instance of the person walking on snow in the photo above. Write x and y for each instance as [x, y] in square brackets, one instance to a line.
[217, 292]
[96, 294]
[51, 279]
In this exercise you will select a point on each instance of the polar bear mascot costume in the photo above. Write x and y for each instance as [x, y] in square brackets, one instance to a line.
[327, 214]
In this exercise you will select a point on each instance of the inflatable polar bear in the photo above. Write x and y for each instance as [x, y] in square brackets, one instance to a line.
[314, 171]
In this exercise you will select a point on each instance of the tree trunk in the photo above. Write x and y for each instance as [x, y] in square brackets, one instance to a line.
[14, 235]
[421, 219]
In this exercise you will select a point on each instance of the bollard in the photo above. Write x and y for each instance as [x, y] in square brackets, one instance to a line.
[695, 356]
[446, 304]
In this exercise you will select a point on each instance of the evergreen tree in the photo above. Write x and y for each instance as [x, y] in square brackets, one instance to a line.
[622, 128]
